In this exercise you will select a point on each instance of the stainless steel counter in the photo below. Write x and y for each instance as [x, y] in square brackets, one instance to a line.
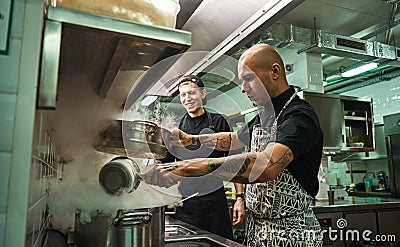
[179, 233]
[353, 203]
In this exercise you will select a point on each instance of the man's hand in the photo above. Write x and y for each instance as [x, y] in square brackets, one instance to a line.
[168, 174]
[160, 175]
[238, 211]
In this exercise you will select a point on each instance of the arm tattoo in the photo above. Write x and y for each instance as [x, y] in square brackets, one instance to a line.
[169, 166]
[233, 167]
[220, 141]
[195, 140]
[213, 165]
[283, 160]
[240, 179]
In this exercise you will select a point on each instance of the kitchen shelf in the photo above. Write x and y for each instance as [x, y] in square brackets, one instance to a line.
[85, 19]
[344, 120]
[357, 149]
[356, 118]
[369, 194]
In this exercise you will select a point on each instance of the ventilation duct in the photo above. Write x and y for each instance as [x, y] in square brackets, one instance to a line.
[342, 46]
[318, 41]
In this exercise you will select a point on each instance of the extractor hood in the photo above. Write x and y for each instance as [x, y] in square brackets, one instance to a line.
[112, 52]
[217, 35]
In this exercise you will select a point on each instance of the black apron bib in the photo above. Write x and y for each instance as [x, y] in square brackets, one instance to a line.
[209, 210]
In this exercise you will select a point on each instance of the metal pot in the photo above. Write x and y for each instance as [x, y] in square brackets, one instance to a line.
[147, 140]
[139, 139]
[133, 228]
[119, 176]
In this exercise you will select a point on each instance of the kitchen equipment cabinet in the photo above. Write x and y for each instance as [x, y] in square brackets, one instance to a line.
[330, 115]
[359, 224]
[388, 223]
[347, 121]
[328, 223]
[392, 134]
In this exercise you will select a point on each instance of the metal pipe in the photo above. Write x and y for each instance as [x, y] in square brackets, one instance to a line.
[369, 82]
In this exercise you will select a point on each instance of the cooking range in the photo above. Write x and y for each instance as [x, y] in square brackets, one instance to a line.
[139, 230]
[122, 175]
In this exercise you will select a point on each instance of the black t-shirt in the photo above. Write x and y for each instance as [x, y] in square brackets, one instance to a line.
[206, 123]
[298, 128]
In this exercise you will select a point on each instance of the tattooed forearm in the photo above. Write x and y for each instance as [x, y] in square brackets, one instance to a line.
[169, 166]
[195, 140]
[235, 168]
[240, 179]
[213, 165]
[283, 160]
[220, 141]
[224, 142]
[242, 168]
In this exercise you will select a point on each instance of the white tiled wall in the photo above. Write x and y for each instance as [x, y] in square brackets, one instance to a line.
[5, 161]
[7, 112]
[9, 69]
[4, 178]
[338, 170]
[17, 91]
[2, 226]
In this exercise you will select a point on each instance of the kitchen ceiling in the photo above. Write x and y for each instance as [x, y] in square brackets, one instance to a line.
[213, 22]
[358, 19]
[369, 20]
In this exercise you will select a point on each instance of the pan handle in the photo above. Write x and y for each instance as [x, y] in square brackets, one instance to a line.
[133, 218]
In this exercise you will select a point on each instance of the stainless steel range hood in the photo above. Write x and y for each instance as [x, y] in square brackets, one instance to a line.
[112, 52]
[221, 34]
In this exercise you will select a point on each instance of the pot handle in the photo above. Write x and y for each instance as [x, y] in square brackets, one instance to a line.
[131, 219]
[145, 122]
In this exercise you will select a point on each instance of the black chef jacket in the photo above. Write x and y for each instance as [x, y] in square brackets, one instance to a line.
[299, 129]
[208, 210]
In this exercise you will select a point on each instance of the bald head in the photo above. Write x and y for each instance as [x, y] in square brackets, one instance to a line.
[266, 63]
[261, 56]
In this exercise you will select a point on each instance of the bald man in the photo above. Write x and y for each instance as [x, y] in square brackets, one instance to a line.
[281, 173]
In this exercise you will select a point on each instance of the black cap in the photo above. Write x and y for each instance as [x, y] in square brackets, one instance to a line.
[194, 79]
[191, 78]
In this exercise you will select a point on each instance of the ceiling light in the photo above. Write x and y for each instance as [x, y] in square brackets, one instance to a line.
[148, 100]
[359, 70]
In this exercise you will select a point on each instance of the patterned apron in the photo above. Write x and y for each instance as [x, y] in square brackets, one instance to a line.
[280, 212]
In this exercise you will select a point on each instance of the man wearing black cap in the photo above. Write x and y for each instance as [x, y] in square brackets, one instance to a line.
[208, 209]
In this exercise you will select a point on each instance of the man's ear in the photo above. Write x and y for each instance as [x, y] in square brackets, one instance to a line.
[275, 70]
[203, 93]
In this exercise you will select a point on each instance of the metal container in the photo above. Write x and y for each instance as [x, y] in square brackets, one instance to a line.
[131, 228]
[138, 139]
[146, 139]
[119, 176]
